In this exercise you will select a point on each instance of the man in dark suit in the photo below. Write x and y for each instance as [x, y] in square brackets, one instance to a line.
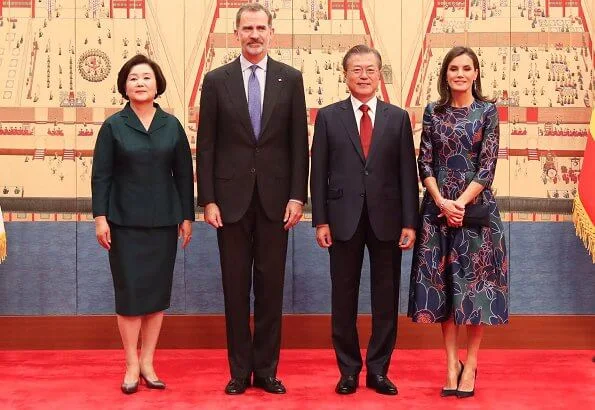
[252, 181]
[364, 193]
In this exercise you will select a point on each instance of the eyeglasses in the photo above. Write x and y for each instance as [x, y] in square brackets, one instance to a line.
[357, 71]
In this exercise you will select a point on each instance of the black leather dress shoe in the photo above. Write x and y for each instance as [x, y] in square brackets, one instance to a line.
[237, 386]
[270, 384]
[381, 384]
[347, 385]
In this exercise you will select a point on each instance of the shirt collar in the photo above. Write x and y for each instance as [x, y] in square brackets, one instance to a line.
[371, 103]
[245, 64]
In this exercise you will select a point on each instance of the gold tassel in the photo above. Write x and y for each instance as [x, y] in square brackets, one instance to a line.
[2, 238]
[2, 246]
[584, 226]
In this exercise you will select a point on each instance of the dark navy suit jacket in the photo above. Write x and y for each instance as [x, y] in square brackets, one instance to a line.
[341, 177]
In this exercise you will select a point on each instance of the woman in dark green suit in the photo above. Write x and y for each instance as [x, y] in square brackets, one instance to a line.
[143, 200]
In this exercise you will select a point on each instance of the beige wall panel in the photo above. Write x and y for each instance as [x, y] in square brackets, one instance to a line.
[58, 73]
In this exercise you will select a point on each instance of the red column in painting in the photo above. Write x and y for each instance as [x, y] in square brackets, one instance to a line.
[503, 113]
[532, 114]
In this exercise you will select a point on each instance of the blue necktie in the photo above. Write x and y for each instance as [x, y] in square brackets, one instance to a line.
[254, 107]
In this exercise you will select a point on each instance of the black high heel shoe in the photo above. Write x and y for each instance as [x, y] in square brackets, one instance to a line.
[453, 392]
[129, 388]
[153, 384]
[465, 394]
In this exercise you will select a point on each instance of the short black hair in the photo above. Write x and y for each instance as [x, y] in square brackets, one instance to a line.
[361, 49]
[134, 61]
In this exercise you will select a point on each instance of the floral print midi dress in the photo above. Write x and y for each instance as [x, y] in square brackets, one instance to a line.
[459, 274]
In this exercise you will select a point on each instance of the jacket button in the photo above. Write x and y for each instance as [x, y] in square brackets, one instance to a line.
[366, 172]
[362, 195]
[256, 150]
[252, 170]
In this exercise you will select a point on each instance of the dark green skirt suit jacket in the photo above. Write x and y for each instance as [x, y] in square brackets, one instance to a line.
[142, 182]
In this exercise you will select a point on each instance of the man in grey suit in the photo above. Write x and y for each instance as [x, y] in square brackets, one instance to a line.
[364, 194]
[252, 181]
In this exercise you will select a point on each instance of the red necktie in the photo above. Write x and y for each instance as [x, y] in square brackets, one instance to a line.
[365, 130]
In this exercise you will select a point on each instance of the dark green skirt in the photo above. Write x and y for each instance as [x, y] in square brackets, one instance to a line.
[142, 262]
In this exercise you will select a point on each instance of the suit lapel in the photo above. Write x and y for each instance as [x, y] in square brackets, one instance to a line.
[348, 118]
[131, 120]
[237, 94]
[380, 121]
[274, 83]
[159, 120]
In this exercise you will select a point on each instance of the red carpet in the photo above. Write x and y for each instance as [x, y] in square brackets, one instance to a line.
[507, 379]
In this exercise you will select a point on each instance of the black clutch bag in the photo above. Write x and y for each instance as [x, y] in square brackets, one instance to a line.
[476, 215]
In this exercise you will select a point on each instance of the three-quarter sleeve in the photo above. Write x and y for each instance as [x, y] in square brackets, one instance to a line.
[425, 160]
[184, 174]
[488, 155]
[102, 170]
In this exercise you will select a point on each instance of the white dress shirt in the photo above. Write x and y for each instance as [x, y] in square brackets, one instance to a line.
[260, 74]
[355, 103]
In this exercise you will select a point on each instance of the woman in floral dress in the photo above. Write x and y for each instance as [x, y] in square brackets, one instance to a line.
[459, 274]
